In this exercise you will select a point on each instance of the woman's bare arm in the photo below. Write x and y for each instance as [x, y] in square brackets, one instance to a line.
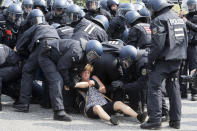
[102, 88]
[82, 85]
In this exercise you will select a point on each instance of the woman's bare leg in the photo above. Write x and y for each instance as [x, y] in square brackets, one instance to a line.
[118, 105]
[98, 110]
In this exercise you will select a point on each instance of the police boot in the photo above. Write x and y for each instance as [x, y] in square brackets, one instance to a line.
[175, 124]
[114, 121]
[194, 97]
[21, 107]
[142, 117]
[151, 125]
[61, 115]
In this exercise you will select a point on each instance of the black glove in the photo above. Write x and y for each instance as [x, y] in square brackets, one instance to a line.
[117, 84]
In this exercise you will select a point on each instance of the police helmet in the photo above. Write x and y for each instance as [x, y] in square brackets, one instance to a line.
[103, 4]
[125, 34]
[92, 4]
[133, 16]
[127, 55]
[36, 16]
[123, 8]
[101, 20]
[14, 13]
[144, 12]
[112, 2]
[158, 5]
[27, 5]
[41, 4]
[138, 5]
[192, 5]
[60, 4]
[93, 50]
[74, 13]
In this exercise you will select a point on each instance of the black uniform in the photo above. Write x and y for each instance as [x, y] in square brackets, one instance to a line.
[91, 14]
[29, 44]
[116, 27]
[65, 32]
[168, 49]
[10, 70]
[191, 62]
[139, 36]
[108, 69]
[89, 31]
[62, 61]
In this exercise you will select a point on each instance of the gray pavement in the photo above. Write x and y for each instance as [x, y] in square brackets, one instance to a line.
[39, 119]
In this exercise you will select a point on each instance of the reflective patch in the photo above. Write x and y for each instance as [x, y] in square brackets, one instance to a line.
[176, 21]
[89, 28]
[114, 42]
[179, 33]
[144, 72]
[154, 31]
[64, 30]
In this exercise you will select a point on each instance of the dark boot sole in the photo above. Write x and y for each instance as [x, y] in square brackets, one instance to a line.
[21, 110]
[61, 119]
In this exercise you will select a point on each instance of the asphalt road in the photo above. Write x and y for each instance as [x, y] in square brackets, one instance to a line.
[39, 119]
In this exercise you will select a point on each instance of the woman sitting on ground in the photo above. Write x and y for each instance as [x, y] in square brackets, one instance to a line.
[96, 104]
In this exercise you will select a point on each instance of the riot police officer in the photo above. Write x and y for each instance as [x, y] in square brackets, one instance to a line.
[70, 56]
[11, 25]
[191, 20]
[113, 66]
[84, 28]
[113, 6]
[168, 49]
[139, 32]
[93, 8]
[38, 34]
[118, 23]
[27, 6]
[57, 13]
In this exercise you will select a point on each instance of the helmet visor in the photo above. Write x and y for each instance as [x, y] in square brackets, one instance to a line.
[37, 20]
[12, 17]
[72, 17]
[93, 5]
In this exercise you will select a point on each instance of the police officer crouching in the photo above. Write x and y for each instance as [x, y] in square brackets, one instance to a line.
[168, 49]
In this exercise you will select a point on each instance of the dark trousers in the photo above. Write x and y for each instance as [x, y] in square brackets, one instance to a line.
[164, 70]
[53, 78]
[28, 74]
[7, 75]
[190, 64]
